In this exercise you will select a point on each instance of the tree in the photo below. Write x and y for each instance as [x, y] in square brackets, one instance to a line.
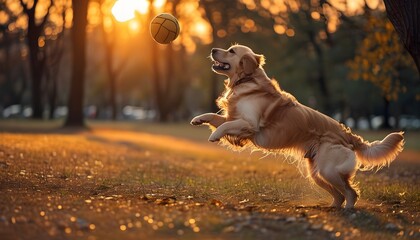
[54, 51]
[314, 22]
[169, 84]
[75, 115]
[156, 74]
[8, 94]
[221, 16]
[404, 15]
[109, 39]
[174, 82]
[380, 59]
[36, 55]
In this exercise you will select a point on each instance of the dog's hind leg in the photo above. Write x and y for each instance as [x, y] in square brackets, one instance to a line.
[341, 183]
[351, 193]
[338, 197]
[338, 168]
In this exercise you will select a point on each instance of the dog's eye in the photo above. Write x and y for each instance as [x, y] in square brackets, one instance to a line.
[231, 50]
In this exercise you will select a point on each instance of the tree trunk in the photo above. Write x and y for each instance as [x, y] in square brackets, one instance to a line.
[113, 96]
[53, 96]
[52, 82]
[214, 84]
[109, 51]
[167, 86]
[170, 86]
[325, 94]
[214, 89]
[54, 53]
[182, 81]
[36, 73]
[77, 85]
[7, 95]
[109, 48]
[159, 99]
[36, 56]
[405, 16]
[386, 124]
[156, 76]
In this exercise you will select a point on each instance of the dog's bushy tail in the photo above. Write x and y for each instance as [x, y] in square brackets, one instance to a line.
[379, 153]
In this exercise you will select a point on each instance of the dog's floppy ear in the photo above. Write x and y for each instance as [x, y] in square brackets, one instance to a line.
[249, 63]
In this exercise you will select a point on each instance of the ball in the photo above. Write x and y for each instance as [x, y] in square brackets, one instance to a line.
[164, 28]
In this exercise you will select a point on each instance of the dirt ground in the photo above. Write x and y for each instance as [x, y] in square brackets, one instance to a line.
[118, 183]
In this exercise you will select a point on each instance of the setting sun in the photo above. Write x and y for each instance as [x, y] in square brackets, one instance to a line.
[124, 10]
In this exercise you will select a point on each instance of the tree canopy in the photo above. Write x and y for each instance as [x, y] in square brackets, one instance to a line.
[314, 48]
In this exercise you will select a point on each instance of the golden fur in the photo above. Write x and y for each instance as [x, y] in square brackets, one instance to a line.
[256, 113]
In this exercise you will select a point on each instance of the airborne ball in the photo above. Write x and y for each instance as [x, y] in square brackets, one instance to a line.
[164, 28]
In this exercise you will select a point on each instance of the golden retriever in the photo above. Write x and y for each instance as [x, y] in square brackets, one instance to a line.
[256, 113]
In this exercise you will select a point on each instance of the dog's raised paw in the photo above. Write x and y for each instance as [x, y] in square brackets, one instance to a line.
[197, 121]
[213, 138]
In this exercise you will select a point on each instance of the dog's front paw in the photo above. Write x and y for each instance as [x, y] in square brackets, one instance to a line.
[197, 121]
[214, 138]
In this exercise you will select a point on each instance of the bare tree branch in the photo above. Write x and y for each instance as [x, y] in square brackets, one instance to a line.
[44, 20]
[24, 6]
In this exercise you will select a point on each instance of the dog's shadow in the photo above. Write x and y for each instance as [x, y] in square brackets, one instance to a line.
[362, 218]
[355, 220]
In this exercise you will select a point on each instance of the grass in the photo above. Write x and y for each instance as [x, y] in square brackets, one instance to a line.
[136, 180]
[179, 130]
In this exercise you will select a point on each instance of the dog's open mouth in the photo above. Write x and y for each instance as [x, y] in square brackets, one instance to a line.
[220, 66]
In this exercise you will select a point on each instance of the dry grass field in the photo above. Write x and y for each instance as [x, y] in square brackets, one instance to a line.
[151, 181]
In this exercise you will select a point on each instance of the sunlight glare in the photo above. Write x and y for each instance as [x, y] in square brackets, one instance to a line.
[122, 10]
[134, 26]
[158, 4]
[200, 28]
[141, 6]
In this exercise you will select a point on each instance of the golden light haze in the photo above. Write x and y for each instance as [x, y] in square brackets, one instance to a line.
[193, 24]
[195, 27]
[125, 10]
